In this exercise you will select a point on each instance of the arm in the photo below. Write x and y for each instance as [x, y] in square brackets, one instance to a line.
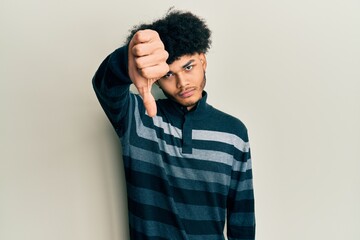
[111, 83]
[142, 62]
[241, 211]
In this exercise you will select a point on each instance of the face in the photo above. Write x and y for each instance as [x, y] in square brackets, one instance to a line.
[185, 81]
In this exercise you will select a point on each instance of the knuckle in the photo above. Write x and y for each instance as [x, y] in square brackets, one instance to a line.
[140, 36]
[159, 45]
[146, 35]
[139, 62]
[152, 32]
[166, 55]
[136, 36]
[145, 73]
[137, 50]
[165, 68]
[161, 54]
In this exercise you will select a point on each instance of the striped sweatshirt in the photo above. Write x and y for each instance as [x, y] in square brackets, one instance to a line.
[187, 172]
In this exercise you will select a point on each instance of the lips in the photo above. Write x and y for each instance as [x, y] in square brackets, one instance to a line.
[187, 93]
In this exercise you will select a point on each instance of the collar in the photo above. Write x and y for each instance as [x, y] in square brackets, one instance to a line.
[197, 112]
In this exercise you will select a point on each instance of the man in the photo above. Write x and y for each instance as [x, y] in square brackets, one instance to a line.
[187, 164]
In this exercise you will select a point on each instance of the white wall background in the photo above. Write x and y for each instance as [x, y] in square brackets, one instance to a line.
[289, 69]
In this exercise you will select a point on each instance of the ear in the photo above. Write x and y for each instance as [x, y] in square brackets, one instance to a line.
[203, 61]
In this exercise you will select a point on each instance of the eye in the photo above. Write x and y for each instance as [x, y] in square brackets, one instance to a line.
[168, 75]
[188, 68]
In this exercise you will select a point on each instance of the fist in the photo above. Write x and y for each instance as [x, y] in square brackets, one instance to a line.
[147, 63]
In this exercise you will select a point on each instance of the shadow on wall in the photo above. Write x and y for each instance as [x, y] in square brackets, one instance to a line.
[116, 186]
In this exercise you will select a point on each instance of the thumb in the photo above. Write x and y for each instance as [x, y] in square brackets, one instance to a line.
[149, 103]
[148, 98]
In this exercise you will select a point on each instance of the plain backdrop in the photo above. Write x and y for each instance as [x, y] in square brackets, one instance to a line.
[290, 70]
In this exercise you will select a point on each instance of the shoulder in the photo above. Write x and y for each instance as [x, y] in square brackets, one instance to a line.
[224, 122]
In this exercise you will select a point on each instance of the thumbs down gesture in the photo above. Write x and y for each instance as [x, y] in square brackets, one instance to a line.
[147, 63]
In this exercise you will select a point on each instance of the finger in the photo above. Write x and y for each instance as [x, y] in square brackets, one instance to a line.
[146, 35]
[151, 60]
[149, 103]
[143, 49]
[154, 72]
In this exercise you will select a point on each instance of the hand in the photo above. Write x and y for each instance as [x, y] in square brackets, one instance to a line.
[147, 63]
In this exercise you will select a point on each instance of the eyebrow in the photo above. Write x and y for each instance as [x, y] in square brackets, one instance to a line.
[184, 66]
[188, 63]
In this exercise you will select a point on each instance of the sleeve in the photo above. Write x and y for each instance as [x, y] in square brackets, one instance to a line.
[111, 84]
[240, 202]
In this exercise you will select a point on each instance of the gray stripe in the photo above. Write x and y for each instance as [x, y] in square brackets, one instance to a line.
[211, 155]
[184, 211]
[178, 172]
[223, 137]
[201, 213]
[242, 166]
[141, 130]
[242, 185]
[167, 127]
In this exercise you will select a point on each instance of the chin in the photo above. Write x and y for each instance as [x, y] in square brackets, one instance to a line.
[189, 102]
[186, 102]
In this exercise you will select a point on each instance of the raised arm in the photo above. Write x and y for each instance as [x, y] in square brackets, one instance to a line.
[111, 83]
[141, 62]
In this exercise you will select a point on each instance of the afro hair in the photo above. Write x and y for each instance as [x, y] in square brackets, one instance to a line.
[182, 33]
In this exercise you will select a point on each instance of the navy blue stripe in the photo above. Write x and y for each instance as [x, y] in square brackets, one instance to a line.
[241, 156]
[247, 194]
[202, 198]
[203, 227]
[241, 233]
[214, 146]
[180, 195]
[199, 186]
[242, 206]
[151, 169]
[152, 213]
[196, 164]
[148, 181]
[241, 176]
[135, 235]
[153, 228]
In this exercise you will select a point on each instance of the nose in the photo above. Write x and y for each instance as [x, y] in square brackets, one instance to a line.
[181, 81]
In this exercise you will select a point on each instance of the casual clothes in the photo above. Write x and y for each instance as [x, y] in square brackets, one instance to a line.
[186, 171]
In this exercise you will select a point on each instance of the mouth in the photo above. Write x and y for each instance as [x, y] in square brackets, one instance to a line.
[187, 93]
